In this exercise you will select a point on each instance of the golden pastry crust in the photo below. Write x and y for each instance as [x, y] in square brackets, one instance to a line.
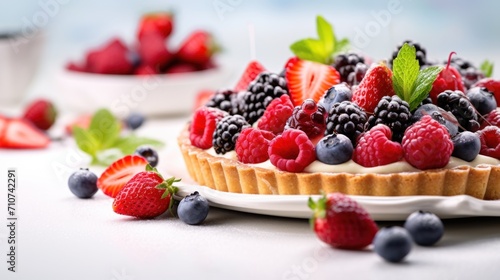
[229, 175]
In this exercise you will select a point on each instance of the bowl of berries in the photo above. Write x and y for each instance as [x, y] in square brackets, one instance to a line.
[148, 76]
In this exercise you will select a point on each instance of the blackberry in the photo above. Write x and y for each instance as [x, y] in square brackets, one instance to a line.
[227, 131]
[309, 117]
[393, 112]
[222, 100]
[469, 72]
[346, 64]
[358, 74]
[456, 103]
[261, 91]
[346, 118]
[421, 53]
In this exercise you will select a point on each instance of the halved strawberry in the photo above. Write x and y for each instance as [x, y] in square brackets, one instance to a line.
[21, 134]
[3, 125]
[308, 79]
[254, 68]
[119, 173]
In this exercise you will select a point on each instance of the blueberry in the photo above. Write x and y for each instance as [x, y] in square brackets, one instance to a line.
[148, 153]
[336, 94]
[334, 149]
[193, 209]
[466, 145]
[425, 228]
[392, 243]
[83, 183]
[443, 117]
[482, 99]
[134, 120]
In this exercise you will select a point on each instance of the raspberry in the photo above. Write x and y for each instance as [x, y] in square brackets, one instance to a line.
[375, 147]
[203, 126]
[276, 115]
[490, 141]
[252, 145]
[493, 118]
[291, 151]
[309, 118]
[427, 144]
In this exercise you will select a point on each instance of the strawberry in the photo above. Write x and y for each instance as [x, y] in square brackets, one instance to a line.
[197, 48]
[202, 98]
[181, 68]
[42, 113]
[254, 68]
[113, 58]
[492, 85]
[21, 134]
[156, 23]
[154, 52]
[376, 84]
[145, 70]
[119, 173]
[448, 79]
[147, 195]
[308, 79]
[341, 222]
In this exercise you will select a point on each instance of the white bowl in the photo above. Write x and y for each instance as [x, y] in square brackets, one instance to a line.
[153, 95]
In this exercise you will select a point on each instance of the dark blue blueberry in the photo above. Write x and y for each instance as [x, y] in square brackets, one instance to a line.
[443, 117]
[334, 149]
[336, 94]
[193, 209]
[425, 227]
[482, 99]
[466, 145]
[148, 153]
[83, 183]
[392, 243]
[134, 120]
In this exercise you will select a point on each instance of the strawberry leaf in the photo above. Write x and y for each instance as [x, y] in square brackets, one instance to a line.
[405, 72]
[487, 68]
[423, 85]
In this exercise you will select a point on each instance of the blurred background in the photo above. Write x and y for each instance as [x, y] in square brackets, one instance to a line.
[70, 27]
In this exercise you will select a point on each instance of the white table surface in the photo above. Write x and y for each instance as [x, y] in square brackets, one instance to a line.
[62, 237]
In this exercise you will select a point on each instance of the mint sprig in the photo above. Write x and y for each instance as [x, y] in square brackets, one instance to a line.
[103, 142]
[410, 83]
[487, 68]
[322, 49]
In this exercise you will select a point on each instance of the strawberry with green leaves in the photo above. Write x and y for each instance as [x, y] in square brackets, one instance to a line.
[198, 48]
[376, 84]
[147, 195]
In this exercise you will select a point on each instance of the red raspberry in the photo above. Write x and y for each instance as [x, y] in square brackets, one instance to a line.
[492, 85]
[490, 141]
[492, 118]
[252, 145]
[291, 151]
[276, 115]
[203, 126]
[341, 222]
[427, 144]
[375, 147]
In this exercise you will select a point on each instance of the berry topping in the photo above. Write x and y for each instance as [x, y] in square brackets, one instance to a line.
[482, 99]
[393, 112]
[492, 85]
[226, 133]
[448, 79]
[493, 118]
[291, 151]
[470, 74]
[42, 113]
[134, 120]
[254, 68]
[376, 84]
[490, 141]
[310, 118]
[334, 149]
[335, 94]
[341, 222]
[203, 126]
[466, 145]
[392, 243]
[346, 118]
[346, 64]
[119, 173]
[276, 115]
[83, 183]
[443, 117]
[222, 99]
[427, 144]
[375, 148]
[21, 134]
[193, 209]
[148, 153]
[252, 144]
[420, 52]
[424, 227]
[308, 79]
[456, 103]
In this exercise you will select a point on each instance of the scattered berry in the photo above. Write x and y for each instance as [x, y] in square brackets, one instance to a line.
[276, 115]
[197, 48]
[253, 69]
[335, 94]
[341, 222]
[119, 173]
[334, 149]
[466, 145]
[392, 243]
[393, 112]
[193, 209]
[424, 227]
[448, 79]
[456, 103]
[482, 99]
[226, 133]
[346, 118]
[252, 144]
[376, 84]
[156, 23]
[427, 144]
[148, 153]
[22, 134]
[310, 118]
[42, 113]
[203, 125]
[291, 151]
[421, 54]
[134, 120]
[375, 147]
[345, 64]
[492, 85]
[490, 141]
[83, 183]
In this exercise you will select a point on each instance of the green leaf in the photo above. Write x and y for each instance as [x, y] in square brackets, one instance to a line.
[405, 72]
[310, 49]
[86, 141]
[105, 128]
[128, 144]
[487, 68]
[342, 46]
[423, 85]
[107, 157]
[326, 35]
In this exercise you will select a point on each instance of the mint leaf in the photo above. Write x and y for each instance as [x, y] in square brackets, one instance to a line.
[326, 35]
[405, 71]
[128, 144]
[487, 68]
[310, 49]
[342, 46]
[423, 85]
[86, 141]
[105, 128]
